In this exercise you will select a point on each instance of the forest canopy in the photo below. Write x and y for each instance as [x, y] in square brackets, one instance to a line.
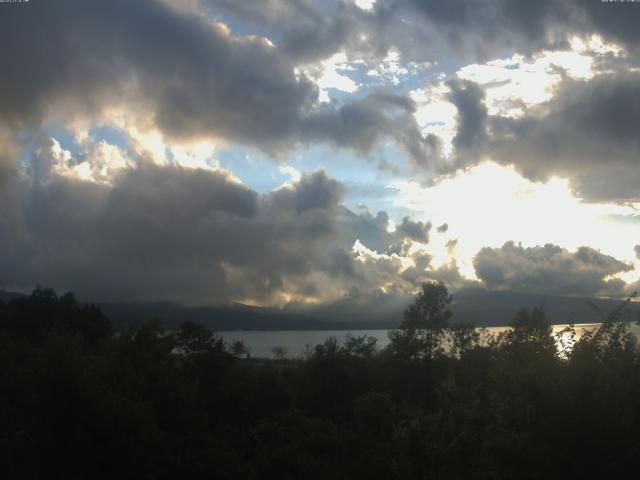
[81, 399]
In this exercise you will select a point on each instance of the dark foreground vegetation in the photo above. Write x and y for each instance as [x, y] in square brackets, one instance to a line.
[79, 401]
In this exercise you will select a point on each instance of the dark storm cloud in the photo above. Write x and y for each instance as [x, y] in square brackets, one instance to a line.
[361, 124]
[79, 57]
[186, 235]
[419, 29]
[549, 269]
[320, 35]
[587, 132]
[195, 236]
[304, 30]
[311, 192]
[417, 231]
[615, 21]
[468, 98]
[166, 232]
[484, 27]
[431, 29]
[172, 233]
[9, 151]
[370, 230]
[193, 79]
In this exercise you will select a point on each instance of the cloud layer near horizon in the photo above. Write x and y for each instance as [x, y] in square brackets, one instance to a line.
[168, 232]
[124, 219]
[173, 233]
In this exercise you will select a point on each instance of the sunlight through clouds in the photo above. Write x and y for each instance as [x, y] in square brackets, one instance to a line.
[435, 114]
[365, 4]
[517, 82]
[329, 74]
[489, 205]
[309, 126]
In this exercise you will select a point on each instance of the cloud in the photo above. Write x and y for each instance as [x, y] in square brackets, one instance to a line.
[102, 162]
[192, 76]
[309, 30]
[169, 75]
[179, 73]
[468, 98]
[550, 269]
[417, 231]
[546, 138]
[617, 23]
[192, 235]
[487, 23]
[95, 68]
[361, 124]
[429, 29]
[484, 29]
[164, 232]
[586, 133]
[304, 30]
[199, 236]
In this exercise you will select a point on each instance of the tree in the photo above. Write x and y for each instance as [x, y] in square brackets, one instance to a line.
[463, 337]
[363, 346]
[430, 310]
[239, 349]
[279, 352]
[531, 324]
[530, 335]
[425, 321]
[196, 339]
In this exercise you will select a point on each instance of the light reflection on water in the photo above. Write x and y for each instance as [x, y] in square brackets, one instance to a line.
[296, 342]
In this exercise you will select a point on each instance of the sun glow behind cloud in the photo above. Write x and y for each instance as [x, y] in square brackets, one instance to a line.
[381, 96]
[489, 204]
[329, 74]
[512, 84]
[517, 82]
[365, 4]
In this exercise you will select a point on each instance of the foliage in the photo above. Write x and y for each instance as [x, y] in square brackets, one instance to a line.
[425, 321]
[80, 401]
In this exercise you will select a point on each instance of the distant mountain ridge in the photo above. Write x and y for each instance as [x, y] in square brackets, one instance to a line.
[8, 296]
[476, 306]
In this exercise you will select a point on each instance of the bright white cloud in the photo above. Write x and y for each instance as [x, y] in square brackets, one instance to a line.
[329, 74]
[517, 82]
[101, 163]
[489, 204]
[595, 45]
[392, 70]
[365, 4]
[435, 114]
[293, 174]
[196, 155]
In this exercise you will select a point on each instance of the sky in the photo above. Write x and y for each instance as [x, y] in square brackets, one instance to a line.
[300, 153]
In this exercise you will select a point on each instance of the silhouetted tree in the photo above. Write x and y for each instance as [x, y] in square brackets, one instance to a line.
[363, 346]
[279, 352]
[196, 339]
[421, 332]
[239, 349]
[463, 338]
[149, 403]
[43, 314]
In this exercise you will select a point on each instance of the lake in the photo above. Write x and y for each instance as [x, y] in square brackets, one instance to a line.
[295, 342]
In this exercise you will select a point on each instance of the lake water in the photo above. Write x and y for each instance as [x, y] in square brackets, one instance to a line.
[295, 342]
